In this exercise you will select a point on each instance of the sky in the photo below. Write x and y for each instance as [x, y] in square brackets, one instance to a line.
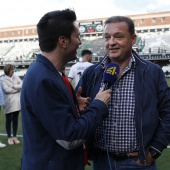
[29, 12]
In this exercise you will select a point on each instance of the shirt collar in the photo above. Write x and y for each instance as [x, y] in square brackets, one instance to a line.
[106, 61]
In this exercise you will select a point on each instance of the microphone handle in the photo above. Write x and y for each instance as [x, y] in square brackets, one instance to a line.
[107, 85]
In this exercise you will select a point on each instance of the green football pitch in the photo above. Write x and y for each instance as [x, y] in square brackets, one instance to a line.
[10, 156]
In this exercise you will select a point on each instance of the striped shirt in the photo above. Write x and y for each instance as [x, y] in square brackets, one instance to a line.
[1, 97]
[118, 132]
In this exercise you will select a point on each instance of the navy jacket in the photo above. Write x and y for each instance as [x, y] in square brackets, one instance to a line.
[152, 102]
[53, 135]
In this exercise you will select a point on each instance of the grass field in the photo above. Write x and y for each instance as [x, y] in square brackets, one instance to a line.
[10, 156]
[168, 81]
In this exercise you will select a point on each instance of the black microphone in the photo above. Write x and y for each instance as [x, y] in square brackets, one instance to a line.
[110, 75]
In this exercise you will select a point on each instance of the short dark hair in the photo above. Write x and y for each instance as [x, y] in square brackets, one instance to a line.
[8, 68]
[53, 25]
[84, 52]
[127, 20]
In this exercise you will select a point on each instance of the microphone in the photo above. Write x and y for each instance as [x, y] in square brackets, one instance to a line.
[110, 75]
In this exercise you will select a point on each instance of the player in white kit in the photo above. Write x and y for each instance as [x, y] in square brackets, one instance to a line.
[77, 69]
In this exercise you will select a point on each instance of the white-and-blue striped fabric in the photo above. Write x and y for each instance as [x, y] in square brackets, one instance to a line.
[1, 97]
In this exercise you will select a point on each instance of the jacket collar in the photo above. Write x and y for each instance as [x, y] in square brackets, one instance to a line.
[41, 58]
[138, 59]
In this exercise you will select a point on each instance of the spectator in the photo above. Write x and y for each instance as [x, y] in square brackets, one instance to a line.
[77, 69]
[48, 103]
[11, 87]
[1, 104]
[137, 129]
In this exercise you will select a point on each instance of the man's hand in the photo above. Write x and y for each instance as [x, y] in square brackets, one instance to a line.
[104, 96]
[82, 101]
[149, 160]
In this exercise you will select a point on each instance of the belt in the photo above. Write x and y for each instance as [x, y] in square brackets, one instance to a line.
[117, 156]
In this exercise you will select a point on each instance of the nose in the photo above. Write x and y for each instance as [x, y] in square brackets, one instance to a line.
[80, 42]
[112, 40]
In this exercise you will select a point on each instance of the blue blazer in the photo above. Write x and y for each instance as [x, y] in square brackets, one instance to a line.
[53, 134]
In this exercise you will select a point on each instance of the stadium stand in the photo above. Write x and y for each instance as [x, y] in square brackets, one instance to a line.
[18, 50]
[19, 45]
[157, 42]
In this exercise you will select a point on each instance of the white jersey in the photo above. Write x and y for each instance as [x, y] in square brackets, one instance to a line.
[77, 70]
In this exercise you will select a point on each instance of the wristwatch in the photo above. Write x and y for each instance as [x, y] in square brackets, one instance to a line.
[155, 154]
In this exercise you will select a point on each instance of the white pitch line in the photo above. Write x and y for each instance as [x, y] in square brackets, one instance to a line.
[3, 134]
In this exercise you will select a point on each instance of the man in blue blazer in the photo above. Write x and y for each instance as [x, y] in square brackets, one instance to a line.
[54, 129]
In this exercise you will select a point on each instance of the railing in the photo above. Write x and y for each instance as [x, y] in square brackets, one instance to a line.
[157, 57]
[17, 62]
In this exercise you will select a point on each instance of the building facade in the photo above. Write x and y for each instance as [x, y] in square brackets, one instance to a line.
[148, 22]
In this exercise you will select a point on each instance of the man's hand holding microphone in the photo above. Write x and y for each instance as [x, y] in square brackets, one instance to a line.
[104, 94]
[109, 78]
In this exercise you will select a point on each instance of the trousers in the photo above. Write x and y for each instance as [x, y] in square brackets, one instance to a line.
[103, 162]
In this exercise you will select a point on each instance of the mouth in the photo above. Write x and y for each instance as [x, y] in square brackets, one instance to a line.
[114, 50]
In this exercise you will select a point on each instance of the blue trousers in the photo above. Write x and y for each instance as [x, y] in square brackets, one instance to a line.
[12, 119]
[101, 162]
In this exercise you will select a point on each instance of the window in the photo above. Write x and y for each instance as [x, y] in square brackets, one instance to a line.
[33, 30]
[163, 19]
[27, 31]
[153, 20]
[19, 32]
[142, 21]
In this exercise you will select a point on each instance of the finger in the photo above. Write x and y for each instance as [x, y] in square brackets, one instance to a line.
[108, 91]
[102, 89]
[89, 99]
[87, 103]
[79, 91]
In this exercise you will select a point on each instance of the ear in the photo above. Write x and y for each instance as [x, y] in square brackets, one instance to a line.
[62, 41]
[134, 37]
